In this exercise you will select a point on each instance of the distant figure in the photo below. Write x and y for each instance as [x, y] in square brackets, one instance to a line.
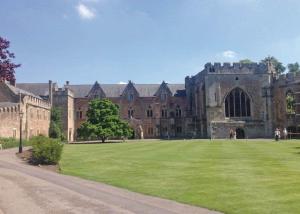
[285, 133]
[231, 134]
[277, 134]
[234, 135]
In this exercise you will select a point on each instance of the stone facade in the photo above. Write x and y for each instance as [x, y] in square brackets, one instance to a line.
[248, 98]
[35, 111]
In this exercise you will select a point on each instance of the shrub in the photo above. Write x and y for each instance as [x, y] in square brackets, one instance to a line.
[12, 142]
[46, 150]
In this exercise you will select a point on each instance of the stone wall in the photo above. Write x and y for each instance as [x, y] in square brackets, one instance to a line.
[64, 100]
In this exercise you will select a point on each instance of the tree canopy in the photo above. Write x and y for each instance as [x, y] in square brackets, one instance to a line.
[245, 61]
[103, 121]
[279, 68]
[7, 68]
[294, 67]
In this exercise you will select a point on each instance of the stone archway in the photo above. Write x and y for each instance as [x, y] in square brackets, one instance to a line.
[136, 125]
[240, 133]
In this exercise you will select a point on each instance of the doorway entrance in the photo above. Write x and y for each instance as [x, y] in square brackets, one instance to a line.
[240, 133]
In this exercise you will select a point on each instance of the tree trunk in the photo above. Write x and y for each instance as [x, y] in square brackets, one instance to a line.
[103, 139]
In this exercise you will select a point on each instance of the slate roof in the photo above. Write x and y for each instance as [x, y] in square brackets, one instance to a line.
[110, 90]
[17, 91]
[115, 90]
[41, 89]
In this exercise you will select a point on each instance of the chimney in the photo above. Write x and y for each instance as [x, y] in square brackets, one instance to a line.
[50, 92]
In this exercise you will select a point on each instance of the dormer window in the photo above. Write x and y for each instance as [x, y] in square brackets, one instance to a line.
[130, 97]
[163, 96]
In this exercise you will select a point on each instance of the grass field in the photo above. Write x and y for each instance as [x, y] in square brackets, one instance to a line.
[230, 176]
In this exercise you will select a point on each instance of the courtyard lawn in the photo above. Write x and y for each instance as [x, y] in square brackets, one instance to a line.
[255, 176]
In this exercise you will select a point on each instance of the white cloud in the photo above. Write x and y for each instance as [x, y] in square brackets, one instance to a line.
[85, 12]
[229, 54]
[122, 83]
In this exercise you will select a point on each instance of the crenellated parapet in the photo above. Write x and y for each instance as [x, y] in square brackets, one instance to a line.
[36, 101]
[64, 92]
[288, 78]
[218, 68]
[8, 108]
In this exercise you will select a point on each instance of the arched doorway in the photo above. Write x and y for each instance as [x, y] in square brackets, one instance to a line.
[240, 133]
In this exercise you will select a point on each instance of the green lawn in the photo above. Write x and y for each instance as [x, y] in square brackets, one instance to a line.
[230, 176]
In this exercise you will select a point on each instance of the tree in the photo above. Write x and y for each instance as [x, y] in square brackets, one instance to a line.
[279, 68]
[294, 67]
[245, 61]
[55, 129]
[7, 68]
[104, 121]
[290, 103]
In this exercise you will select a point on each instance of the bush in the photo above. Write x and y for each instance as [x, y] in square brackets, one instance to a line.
[46, 150]
[12, 142]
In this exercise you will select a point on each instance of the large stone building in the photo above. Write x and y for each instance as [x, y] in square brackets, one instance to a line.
[248, 98]
[20, 108]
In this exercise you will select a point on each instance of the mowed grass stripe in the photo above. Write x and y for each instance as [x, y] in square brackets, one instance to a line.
[230, 176]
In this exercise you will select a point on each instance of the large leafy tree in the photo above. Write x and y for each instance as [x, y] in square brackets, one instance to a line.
[279, 68]
[7, 67]
[103, 121]
[294, 67]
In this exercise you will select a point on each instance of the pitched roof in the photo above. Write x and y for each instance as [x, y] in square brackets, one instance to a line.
[40, 89]
[17, 91]
[116, 90]
[110, 90]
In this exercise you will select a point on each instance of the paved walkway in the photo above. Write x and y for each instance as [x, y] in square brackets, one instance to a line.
[28, 189]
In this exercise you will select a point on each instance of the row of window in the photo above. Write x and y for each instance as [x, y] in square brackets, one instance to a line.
[164, 130]
[164, 113]
[163, 97]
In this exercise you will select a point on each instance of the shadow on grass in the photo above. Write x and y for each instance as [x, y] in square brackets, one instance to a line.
[95, 142]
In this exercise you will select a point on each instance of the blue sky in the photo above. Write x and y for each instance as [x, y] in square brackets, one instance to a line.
[146, 41]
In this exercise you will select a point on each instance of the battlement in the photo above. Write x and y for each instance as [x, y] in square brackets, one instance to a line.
[65, 91]
[9, 108]
[289, 77]
[236, 68]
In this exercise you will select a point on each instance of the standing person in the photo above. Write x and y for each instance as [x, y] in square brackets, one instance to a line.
[285, 133]
[277, 134]
[234, 135]
[230, 134]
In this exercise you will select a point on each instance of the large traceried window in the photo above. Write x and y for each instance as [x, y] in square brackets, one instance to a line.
[237, 104]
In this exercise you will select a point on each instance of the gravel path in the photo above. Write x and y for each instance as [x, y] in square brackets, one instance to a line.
[28, 189]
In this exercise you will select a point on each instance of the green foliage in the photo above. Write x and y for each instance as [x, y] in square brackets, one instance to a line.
[294, 67]
[12, 142]
[279, 68]
[103, 121]
[55, 129]
[46, 150]
[290, 103]
[245, 61]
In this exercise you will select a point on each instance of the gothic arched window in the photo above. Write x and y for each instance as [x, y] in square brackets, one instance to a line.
[237, 104]
[149, 112]
[178, 111]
